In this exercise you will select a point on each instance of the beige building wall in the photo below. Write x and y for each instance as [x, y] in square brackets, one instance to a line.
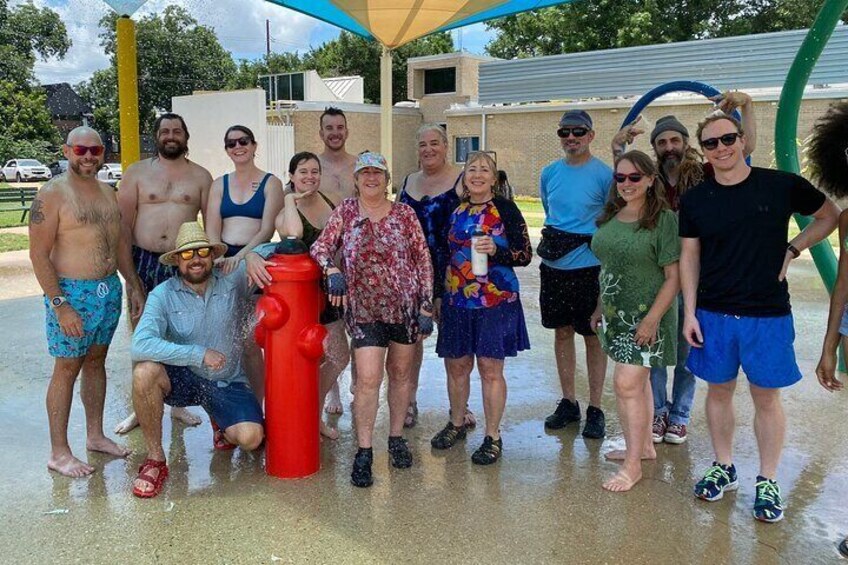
[433, 106]
[524, 137]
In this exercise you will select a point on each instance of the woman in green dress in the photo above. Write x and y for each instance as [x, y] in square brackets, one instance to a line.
[638, 247]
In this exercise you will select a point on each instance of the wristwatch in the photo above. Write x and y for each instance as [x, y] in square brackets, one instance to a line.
[57, 301]
[793, 250]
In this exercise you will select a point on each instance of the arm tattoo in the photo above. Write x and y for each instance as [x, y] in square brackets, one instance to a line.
[36, 211]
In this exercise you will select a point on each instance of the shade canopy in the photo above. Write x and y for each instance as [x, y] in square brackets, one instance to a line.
[396, 22]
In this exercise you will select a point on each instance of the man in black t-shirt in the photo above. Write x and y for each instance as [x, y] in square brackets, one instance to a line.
[733, 263]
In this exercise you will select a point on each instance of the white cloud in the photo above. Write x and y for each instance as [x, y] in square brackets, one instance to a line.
[239, 26]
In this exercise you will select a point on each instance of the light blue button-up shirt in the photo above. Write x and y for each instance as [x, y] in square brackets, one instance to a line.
[178, 325]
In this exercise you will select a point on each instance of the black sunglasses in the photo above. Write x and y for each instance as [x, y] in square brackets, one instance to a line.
[576, 132]
[621, 177]
[727, 140]
[244, 141]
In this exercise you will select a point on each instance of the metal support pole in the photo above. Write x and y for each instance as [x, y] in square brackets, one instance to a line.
[386, 106]
[128, 92]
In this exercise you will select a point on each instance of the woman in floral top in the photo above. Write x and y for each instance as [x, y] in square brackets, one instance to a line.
[638, 247]
[387, 288]
[481, 316]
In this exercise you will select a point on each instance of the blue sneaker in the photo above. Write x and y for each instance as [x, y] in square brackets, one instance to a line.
[768, 506]
[717, 480]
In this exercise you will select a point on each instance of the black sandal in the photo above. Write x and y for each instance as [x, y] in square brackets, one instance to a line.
[448, 436]
[843, 547]
[361, 475]
[489, 452]
[399, 453]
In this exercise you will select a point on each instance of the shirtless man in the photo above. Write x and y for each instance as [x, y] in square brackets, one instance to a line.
[156, 197]
[76, 249]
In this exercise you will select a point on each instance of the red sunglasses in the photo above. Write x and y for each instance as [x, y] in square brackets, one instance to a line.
[81, 150]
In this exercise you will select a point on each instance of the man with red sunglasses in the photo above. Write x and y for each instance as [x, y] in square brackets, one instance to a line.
[733, 264]
[156, 196]
[76, 249]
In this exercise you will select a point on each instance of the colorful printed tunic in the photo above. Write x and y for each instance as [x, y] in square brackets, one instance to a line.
[500, 219]
[632, 261]
[386, 264]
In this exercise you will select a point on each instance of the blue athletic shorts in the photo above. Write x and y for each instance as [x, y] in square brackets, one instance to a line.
[763, 346]
[98, 303]
[227, 404]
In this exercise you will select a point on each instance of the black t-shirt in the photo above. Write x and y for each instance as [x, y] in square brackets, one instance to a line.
[743, 230]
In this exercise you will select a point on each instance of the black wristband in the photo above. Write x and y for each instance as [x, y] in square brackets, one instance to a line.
[793, 250]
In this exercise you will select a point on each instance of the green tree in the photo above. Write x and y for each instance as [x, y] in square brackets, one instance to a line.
[351, 54]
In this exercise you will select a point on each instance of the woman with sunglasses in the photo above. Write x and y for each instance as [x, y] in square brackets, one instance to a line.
[481, 318]
[387, 290]
[240, 213]
[638, 247]
[304, 216]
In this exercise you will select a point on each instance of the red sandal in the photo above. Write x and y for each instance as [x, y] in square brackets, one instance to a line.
[158, 481]
[219, 440]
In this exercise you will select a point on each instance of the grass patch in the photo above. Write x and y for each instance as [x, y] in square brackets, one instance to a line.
[13, 242]
[9, 219]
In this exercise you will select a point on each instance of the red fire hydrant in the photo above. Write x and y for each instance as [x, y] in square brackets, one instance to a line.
[289, 332]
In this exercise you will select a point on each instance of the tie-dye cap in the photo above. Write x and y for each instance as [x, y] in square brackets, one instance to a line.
[369, 159]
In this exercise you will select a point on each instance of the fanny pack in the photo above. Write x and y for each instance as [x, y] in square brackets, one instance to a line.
[557, 243]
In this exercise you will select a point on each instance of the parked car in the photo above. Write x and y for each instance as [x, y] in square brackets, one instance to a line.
[58, 167]
[110, 173]
[20, 170]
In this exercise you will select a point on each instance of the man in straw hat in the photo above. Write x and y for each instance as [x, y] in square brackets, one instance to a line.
[187, 350]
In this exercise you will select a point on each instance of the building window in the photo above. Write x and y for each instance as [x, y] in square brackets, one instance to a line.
[464, 146]
[288, 86]
[437, 81]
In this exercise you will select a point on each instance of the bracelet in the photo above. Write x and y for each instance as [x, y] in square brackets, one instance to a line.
[793, 250]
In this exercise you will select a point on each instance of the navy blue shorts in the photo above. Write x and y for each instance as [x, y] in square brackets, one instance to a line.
[497, 332]
[228, 405]
[763, 346]
[379, 334]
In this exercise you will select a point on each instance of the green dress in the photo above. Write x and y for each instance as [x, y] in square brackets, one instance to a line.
[632, 261]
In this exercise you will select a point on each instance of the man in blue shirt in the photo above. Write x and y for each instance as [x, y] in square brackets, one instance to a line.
[574, 190]
[188, 350]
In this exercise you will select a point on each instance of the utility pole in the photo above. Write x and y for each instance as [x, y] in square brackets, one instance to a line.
[268, 38]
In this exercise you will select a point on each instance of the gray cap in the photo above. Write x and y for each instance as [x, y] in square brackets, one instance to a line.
[576, 118]
[668, 123]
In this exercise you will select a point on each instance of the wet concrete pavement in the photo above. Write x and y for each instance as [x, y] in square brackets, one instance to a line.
[542, 503]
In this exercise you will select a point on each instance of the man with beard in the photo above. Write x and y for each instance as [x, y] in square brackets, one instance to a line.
[574, 190]
[187, 351]
[336, 163]
[75, 248]
[681, 168]
[156, 197]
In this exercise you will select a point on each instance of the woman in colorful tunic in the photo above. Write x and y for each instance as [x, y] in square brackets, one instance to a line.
[387, 290]
[638, 248]
[433, 192]
[304, 215]
[481, 316]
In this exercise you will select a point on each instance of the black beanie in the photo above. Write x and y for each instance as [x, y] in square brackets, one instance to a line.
[668, 123]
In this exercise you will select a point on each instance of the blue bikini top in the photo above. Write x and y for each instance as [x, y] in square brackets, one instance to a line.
[253, 208]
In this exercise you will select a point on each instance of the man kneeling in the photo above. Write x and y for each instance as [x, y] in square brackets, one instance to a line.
[187, 349]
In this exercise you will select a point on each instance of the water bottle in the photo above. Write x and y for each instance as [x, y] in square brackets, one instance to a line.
[479, 260]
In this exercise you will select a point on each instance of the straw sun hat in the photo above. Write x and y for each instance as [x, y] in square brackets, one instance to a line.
[191, 236]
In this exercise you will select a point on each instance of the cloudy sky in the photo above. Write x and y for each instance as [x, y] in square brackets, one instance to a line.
[239, 25]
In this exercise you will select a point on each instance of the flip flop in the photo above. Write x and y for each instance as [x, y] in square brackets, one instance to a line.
[219, 440]
[158, 481]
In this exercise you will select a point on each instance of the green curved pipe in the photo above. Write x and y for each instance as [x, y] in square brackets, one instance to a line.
[786, 124]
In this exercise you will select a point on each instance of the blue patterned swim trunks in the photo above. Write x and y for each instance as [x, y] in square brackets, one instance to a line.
[98, 303]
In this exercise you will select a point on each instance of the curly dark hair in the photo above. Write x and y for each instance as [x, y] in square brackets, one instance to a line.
[827, 151]
[655, 201]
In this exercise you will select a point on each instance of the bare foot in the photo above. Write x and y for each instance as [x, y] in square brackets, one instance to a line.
[622, 481]
[327, 431]
[620, 454]
[334, 401]
[127, 425]
[68, 465]
[105, 445]
[184, 416]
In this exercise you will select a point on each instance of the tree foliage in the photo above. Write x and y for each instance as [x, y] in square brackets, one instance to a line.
[588, 25]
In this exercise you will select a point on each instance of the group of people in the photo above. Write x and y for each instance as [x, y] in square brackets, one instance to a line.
[644, 260]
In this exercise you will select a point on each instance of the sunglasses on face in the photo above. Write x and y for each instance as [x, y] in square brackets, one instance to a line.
[621, 177]
[576, 132]
[727, 140]
[188, 254]
[81, 150]
[231, 143]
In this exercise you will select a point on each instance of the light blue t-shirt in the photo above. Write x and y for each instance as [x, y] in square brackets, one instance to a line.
[573, 198]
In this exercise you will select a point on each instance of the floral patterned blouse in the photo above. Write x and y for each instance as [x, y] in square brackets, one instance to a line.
[386, 265]
[500, 219]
